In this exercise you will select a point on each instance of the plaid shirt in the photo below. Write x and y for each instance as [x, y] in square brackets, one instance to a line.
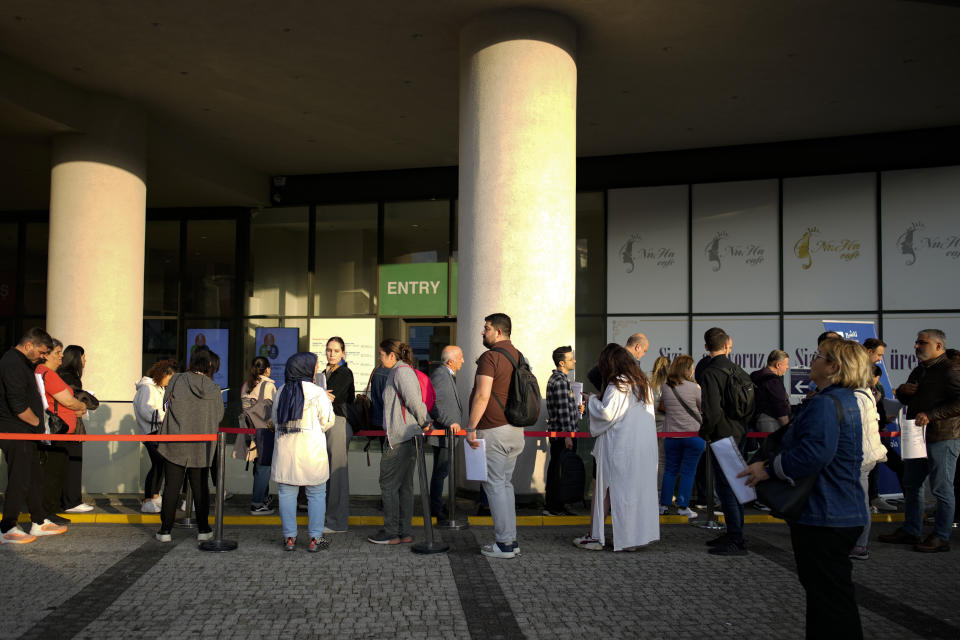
[562, 411]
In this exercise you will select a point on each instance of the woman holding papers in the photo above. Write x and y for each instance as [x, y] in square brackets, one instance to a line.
[825, 440]
[626, 453]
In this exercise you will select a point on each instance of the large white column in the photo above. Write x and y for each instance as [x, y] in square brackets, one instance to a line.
[517, 236]
[95, 276]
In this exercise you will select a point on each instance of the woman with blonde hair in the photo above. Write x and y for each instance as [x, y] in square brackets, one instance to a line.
[825, 440]
[681, 403]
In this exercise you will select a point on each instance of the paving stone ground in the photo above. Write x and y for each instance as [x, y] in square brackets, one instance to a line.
[115, 581]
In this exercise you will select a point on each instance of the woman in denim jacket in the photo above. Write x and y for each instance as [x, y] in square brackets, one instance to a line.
[828, 528]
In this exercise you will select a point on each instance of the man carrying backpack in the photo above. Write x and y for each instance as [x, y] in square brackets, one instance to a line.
[501, 388]
[728, 402]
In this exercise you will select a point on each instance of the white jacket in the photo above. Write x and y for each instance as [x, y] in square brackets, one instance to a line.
[873, 450]
[300, 458]
[148, 405]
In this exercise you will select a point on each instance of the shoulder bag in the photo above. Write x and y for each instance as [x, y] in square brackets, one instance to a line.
[787, 501]
[693, 414]
[55, 424]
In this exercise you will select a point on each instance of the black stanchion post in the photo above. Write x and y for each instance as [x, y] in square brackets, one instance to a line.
[452, 522]
[712, 523]
[429, 545]
[187, 521]
[218, 543]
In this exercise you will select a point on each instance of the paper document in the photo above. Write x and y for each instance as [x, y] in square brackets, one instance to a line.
[731, 463]
[913, 440]
[475, 461]
[577, 388]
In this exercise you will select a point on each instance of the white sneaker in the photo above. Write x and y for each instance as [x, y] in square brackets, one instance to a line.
[46, 529]
[83, 507]
[149, 506]
[16, 535]
[163, 537]
[687, 511]
[327, 529]
[493, 550]
[664, 509]
[201, 537]
[587, 542]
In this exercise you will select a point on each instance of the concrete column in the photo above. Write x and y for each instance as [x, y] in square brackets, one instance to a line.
[518, 87]
[95, 276]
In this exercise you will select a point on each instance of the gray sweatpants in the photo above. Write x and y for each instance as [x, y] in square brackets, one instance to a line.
[503, 446]
[338, 487]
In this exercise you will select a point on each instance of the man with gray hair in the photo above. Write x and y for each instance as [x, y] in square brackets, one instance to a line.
[932, 396]
[446, 413]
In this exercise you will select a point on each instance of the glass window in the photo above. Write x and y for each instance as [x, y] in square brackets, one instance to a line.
[416, 231]
[346, 268]
[590, 342]
[590, 285]
[8, 271]
[35, 269]
[159, 341]
[161, 270]
[278, 262]
[211, 265]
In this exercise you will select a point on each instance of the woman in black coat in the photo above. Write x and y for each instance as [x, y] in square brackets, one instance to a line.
[71, 372]
[337, 379]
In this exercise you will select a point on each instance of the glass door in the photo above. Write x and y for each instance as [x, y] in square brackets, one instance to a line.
[427, 339]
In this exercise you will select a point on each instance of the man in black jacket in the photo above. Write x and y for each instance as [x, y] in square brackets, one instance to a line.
[932, 396]
[717, 424]
[21, 411]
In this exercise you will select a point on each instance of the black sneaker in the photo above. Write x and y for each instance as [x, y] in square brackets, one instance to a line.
[382, 537]
[720, 540]
[729, 549]
[261, 510]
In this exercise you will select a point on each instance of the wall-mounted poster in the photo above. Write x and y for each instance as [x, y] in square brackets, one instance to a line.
[647, 250]
[736, 247]
[277, 344]
[800, 335]
[829, 243]
[754, 337]
[360, 337]
[218, 340]
[668, 336]
[920, 221]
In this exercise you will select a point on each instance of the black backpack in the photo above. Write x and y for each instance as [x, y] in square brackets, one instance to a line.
[739, 394]
[523, 399]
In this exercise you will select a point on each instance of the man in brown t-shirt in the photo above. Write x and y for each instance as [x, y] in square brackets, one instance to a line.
[503, 442]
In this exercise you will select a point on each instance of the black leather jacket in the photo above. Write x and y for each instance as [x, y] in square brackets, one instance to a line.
[937, 395]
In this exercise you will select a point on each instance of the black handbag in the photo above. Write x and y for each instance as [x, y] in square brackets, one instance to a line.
[55, 424]
[787, 501]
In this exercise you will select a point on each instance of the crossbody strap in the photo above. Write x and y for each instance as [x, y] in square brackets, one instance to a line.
[693, 414]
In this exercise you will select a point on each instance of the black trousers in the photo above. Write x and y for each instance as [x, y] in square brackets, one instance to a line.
[154, 479]
[825, 571]
[553, 501]
[72, 494]
[197, 477]
[24, 483]
[54, 460]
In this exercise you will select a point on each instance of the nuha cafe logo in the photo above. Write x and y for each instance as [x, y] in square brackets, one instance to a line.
[808, 245]
[911, 242]
[632, 252]
[719, 249]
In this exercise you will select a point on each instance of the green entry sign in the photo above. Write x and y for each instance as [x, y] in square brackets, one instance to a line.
[418, 289]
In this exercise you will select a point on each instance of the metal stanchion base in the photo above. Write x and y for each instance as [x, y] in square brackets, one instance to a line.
[424, 548]
[218, 545]
[453, 525]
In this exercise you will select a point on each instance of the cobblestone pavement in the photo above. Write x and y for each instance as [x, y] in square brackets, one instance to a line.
[106, 581]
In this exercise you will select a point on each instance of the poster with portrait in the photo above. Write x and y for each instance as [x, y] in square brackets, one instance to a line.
[647, 265]
[830, 243]
[920, 222]
[736, 247]
[218, 340]
[276, 344]
[360, 339]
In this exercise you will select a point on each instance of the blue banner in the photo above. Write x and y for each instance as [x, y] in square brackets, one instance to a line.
[219, 342]
[277, 344]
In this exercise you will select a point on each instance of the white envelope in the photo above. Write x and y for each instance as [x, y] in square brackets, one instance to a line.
[475, 461]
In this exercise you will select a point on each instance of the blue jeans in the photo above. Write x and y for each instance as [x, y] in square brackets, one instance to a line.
[940, 464]
[731, 507]
[681, 458]
[261, 483]
[316, 508]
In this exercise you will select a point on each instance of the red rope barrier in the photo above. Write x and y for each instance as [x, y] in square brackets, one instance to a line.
[107, 437]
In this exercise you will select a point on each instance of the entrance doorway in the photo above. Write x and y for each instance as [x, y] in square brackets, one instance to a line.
[427, 339]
